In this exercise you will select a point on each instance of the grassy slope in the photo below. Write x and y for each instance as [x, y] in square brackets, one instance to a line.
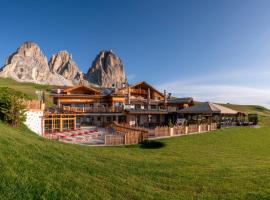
[226, 164]
[264, 114]
[229, 164]
[27, 88]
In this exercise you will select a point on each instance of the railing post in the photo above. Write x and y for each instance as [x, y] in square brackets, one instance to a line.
[186, 131]
[171, 131]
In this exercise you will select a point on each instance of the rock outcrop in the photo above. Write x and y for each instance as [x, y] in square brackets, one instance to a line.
[28, 64]
[107, 70]
[63, 64]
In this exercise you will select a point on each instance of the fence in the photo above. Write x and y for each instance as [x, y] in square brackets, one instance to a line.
[179, 130]
[193, 128]
[213, 126]
[126, 134]
[204, 127]
[164, 131]
[34, 104]
[112, 139]
[94, 109]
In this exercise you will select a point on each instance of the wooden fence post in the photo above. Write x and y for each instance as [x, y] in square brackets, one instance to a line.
[171, 130]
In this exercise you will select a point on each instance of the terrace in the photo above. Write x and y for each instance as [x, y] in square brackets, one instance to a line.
[86, 136]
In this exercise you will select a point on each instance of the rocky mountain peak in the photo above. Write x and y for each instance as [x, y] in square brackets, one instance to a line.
[107, 70]
[63, 64]
[29, 64]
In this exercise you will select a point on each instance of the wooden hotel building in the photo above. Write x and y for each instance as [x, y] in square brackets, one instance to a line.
[139, 104]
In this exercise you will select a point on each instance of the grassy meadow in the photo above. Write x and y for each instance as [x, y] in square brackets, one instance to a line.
[232, 163]
[27, 88]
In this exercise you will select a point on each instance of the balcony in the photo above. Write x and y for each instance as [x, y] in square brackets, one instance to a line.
[94, 109]
[145, 110]
[138, 91]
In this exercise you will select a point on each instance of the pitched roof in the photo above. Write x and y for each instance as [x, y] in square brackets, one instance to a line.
[150, 86]
[81, 86]
[180, 100]
[208, 108]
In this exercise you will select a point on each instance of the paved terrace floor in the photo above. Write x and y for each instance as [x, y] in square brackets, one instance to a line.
[85, 136]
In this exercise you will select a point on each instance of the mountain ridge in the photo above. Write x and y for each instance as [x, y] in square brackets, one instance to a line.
[29, 64]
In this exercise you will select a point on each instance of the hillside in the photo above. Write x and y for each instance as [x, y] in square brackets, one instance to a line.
[205, 166]
[260, 110]
[264, 113]
[27, 88]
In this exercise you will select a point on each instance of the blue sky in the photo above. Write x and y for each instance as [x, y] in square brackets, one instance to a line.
[211, 50]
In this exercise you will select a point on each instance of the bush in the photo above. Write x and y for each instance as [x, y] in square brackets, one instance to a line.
[12, 109]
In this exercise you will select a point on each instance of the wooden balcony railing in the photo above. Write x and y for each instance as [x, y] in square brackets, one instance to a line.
[93, 109]
[138, 91]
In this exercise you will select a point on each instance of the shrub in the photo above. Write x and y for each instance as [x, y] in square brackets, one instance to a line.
[12, 109]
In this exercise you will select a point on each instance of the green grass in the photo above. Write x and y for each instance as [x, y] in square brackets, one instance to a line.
[27, 88]
[264, 113]
[232, 163]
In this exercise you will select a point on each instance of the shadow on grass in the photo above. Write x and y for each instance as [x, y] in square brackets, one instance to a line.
[152, 145]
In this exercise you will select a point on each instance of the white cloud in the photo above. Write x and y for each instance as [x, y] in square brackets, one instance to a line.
[240, 88]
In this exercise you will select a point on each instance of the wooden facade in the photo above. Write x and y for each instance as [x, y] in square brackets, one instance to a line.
[137, 104]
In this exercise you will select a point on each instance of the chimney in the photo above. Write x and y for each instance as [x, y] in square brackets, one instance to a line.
[128, 95]
[148, 95]
[169, 95]
[148, 98]
[165, 98]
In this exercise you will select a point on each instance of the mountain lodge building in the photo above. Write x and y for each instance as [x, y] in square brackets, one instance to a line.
[139, 104]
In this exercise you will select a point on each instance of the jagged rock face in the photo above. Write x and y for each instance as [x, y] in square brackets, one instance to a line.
[63, 64]
[107, 70]
[28, 64]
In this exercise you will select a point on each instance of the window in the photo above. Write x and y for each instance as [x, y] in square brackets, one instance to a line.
[158, 118]
[48, 126]
[137, 106]
[68, 124]
[153, 107]
[118, 104]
